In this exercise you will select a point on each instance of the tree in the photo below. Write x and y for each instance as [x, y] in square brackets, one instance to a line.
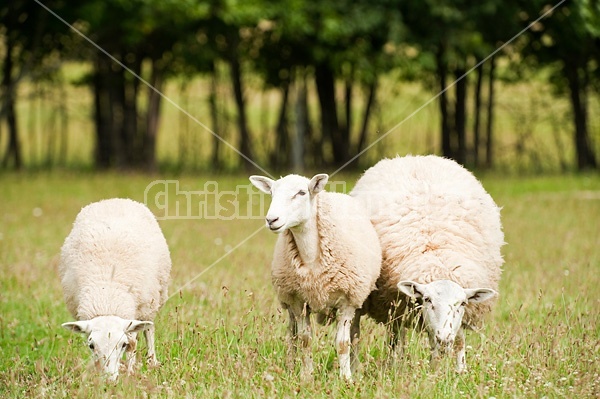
[568, 42]
[447, 44]
[465, 33]
[335, 43]
[231, 29]
[137, 38]
[31, 36]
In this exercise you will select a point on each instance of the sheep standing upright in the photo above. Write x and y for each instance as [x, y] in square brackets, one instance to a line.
[114, 269]
[326, 260]
[441, 235]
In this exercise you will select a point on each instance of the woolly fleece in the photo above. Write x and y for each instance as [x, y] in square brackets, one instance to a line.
[115, 262]
[349, 264]
[435, 221]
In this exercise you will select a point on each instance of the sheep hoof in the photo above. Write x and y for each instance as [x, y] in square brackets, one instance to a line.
[152, 362]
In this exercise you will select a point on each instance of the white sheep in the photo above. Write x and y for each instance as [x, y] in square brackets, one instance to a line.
[114, 268]
[441, 235]
[326, 261]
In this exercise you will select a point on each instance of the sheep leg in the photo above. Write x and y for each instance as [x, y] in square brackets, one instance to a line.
[355, 337]
[151, 357]
[435, 351]
[303, 338]
[292, 339]
[396, 334]
[131, 353]
[343, 341]
[459, 350]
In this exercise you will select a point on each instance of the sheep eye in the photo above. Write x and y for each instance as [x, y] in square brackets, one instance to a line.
[301, 192]
[426, 299]
[124, 346]
[91, 345]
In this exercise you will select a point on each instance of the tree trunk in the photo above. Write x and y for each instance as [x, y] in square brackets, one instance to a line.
[102, 114]
[32, 129]
[14, 147]
[133, 141]
[13, 150]
[489, 143]
[477, 116]
[281, 152]
[585, 155]
[183, 137]
[366, 116]
[214, 118]
[301, 123]
[116, 90]
[50, 129]
[329, 121]
[64, 125]
[442, 71]
[244, 143]
[346, 131]
[152, 117]
[460, 115]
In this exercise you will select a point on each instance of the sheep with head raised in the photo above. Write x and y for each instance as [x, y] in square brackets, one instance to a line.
[440, 235]
[326, 260]
[114, 269]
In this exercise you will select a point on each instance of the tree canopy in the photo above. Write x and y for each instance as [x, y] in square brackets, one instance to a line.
[339, 51]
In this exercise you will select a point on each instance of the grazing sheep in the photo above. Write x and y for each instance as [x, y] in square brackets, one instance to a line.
[326, 260]
[441, 236]
[114, 269]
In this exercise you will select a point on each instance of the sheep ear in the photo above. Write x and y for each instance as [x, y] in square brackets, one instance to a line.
[137, 326]
[263, 183]
[81, 327]
[477, 295]
[317, 183]
[411, 289]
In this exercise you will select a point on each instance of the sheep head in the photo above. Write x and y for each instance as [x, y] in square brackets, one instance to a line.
[108, 337]
[444, 303]
[292, 199]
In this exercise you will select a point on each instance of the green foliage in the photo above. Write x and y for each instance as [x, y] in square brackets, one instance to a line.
[590, 13]
[335, 33]
[360, 42]
[569, 34]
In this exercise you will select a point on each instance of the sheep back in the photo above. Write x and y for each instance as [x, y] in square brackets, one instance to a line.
[115, 261]
[349, 263]
[435, 221]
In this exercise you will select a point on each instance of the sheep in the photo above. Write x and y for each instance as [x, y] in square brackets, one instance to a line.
[115, 268]
[326, 261]
[441, 236]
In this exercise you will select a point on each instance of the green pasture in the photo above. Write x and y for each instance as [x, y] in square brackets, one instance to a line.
[223, 335]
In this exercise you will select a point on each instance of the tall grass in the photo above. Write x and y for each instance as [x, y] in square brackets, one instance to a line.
[223, 335]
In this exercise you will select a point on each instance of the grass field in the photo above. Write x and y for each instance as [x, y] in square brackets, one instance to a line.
[222, 334]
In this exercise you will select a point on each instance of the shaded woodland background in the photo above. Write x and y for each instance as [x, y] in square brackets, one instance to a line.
[294, 84]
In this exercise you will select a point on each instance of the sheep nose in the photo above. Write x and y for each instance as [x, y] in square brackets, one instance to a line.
[443, 338]
[271, 220]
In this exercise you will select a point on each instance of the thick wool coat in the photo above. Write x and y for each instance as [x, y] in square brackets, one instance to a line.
[115, 262]
[435, 221]
[349, 261]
